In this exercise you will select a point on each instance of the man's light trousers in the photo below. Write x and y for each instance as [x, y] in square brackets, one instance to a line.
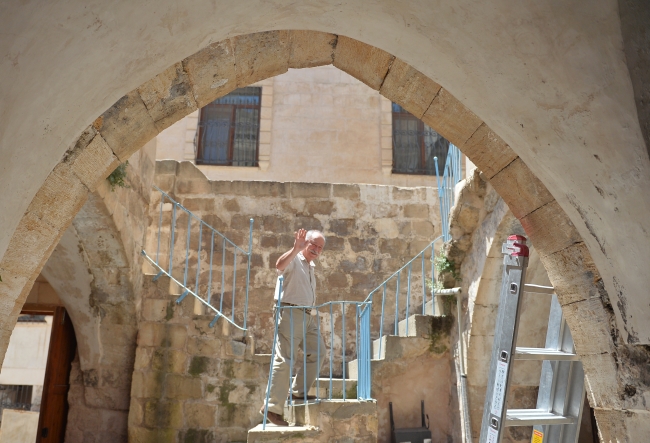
[305, 338]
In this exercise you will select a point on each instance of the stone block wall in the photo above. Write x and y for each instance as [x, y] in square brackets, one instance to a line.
[191, 383]
[371, 231]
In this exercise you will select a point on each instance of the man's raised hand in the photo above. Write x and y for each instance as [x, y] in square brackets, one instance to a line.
[300, 240]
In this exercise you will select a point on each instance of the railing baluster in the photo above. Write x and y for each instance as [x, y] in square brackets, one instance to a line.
[356, 339]
[304, 354]
[187, 248]
[408, 298]
[397, 304]
[381, 322]
[171, 240]
[343, 345]
[424, 288]
[223, 273]
[210, 272]
[275, 341]
[433, 280]
[248, 270]
[318, 357]
[162, 200]
[198, 256]
[329, 394]
[234, 281]
[291, 357]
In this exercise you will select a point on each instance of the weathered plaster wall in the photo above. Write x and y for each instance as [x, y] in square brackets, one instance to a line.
[635, 16]
[371, 231]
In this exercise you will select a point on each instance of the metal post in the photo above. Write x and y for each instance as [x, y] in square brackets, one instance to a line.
[381, 323]
[210, 272]
[162, 199]
[329, 395]
[171, 240]
[397, 305]
[275, 341]
[304, 354]
[408, 298]
[248, 270]
[234, 282]
[343, 345]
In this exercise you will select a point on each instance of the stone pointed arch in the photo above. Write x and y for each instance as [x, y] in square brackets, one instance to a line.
[223, 66]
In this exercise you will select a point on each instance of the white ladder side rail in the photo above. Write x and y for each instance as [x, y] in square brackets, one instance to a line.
[515, 262]
[558, 413]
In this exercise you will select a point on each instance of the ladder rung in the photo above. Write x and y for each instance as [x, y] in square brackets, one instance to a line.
[539, 289]
[531, 417]
[543, 354]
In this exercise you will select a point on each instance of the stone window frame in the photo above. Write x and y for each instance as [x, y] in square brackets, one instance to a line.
[386, 142]
[264, 144]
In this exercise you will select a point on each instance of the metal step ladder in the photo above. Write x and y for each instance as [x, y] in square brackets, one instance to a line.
[557, 416]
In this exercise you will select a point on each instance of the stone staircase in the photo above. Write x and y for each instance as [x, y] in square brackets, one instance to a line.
[353, 420]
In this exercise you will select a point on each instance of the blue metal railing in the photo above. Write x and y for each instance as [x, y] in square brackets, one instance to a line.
[426, 278]
[447, 181]
[169, 259]
[362, 340]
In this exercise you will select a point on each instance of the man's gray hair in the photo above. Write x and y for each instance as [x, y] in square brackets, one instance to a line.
[312, 233]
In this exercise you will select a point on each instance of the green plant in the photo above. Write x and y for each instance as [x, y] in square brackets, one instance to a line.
[445, 266]
[117, 177]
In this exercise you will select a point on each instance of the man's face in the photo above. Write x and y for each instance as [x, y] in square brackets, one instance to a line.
[314, 247]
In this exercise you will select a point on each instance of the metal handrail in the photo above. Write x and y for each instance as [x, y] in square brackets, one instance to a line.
[447, 181]
[186, 285]
[396, 276]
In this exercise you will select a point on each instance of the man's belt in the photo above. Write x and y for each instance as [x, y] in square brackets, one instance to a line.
[311, 311]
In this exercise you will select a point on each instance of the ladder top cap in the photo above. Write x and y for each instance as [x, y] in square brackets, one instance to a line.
[515, 246]
[519, 238]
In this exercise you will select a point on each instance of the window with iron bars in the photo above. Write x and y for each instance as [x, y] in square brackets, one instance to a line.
[415, 145]
[229, 129]
[15, 397]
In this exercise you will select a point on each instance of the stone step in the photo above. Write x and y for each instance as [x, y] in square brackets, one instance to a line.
[337, 388]
[274, 433]
[415, 326]
[312, 413]
[425, 332]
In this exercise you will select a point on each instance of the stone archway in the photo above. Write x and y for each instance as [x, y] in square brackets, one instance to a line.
[223, 66]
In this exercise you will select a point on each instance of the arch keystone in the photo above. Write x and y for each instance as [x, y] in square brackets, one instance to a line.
[364, 62]
[409, 87]
[168, 96]
[260, 56]
[310, 49]
[212, 72]
[451, 118]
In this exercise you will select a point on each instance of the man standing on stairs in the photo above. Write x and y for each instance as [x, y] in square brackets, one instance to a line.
[299, 289]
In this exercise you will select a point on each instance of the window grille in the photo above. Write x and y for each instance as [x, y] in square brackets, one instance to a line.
[229, 128]
[15, 397]
[415, 145]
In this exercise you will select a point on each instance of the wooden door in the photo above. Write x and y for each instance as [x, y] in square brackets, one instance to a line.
[54, 403]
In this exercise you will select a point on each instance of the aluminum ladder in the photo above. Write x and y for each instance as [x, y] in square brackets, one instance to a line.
[557, 416]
